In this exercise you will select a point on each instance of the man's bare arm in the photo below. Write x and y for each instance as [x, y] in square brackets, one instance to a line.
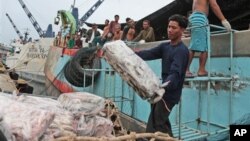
[216, 9]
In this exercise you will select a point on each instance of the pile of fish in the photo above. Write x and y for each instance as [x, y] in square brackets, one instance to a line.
[133, 70]
[29, 118]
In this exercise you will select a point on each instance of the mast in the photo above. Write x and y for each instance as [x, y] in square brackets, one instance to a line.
[73, 5]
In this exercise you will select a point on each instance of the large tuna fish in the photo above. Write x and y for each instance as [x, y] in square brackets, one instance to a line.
[133, 70]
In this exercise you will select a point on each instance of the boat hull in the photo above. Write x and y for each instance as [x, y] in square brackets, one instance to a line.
[29, 63]
[208, 105]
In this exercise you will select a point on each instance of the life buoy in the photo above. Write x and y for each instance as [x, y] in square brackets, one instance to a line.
[84, 58]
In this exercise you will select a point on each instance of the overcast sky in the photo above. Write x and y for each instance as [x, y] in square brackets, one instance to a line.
[44, 11]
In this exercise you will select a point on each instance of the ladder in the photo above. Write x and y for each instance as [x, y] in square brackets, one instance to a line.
[203, 126]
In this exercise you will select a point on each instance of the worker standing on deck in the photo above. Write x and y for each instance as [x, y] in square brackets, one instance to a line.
[174, 55]
[199, 37]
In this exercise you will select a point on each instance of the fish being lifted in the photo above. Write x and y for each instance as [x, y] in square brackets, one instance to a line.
[133, 70]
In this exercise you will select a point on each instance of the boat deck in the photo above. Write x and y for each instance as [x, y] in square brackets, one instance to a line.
[209, 79]
[187, 133]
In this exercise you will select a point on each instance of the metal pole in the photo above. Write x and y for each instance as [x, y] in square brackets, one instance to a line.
[180, 118]
[209, 75]
[199, 106]
[122, 94]
[74, 4]
[132, 102]
[231, 75]
[84, 79]
[93, 80]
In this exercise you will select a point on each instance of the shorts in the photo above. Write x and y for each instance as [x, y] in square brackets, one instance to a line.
[199, 37]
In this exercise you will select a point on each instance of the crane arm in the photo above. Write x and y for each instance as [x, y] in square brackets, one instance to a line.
[90, 11]
[14, 26]
[32, 19]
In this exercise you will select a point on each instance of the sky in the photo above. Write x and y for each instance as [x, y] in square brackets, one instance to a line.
[44, 11]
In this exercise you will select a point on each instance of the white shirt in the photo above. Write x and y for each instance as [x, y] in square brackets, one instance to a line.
[92, 37]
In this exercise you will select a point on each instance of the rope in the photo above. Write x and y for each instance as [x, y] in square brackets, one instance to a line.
[132, 137]
[166, 106]
[53, 80]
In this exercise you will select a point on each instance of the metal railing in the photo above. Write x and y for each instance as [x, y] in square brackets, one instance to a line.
[111, 87]
[181, 126]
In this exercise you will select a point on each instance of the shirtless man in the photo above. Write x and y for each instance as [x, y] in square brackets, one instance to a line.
[113, 24]
[118, 33]
[198, 41]
[105, 29]
[131, 31]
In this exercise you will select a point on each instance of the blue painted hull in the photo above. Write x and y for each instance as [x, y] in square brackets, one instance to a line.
[207, 108]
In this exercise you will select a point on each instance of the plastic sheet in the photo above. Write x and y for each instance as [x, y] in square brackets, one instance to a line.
[63, 121]
[82, 103]
[5, 134]
[32, 118]
[26, 123]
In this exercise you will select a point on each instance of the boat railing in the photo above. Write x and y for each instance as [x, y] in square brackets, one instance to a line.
[112, 87]
[182, 129]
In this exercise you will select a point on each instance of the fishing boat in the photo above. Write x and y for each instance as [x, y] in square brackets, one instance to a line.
[28, 62]
[208, 106]
[4, 49]
[28, 57]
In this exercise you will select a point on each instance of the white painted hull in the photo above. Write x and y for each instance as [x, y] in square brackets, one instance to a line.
[29, 63]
